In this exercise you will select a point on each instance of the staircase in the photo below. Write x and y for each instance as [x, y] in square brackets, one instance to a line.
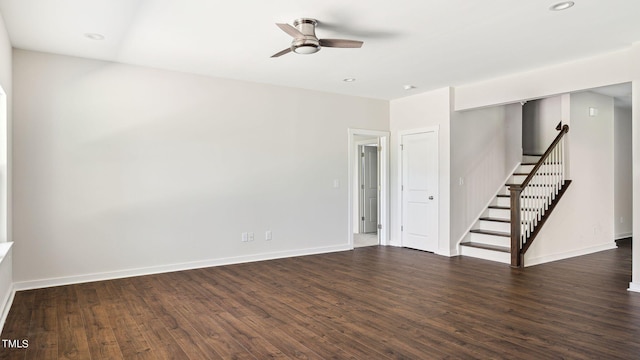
[508, 226]
[490, 237]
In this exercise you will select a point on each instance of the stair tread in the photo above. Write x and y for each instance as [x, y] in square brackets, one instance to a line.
[536, 185]
[528, 163]
[539, 173]
[532, 154]
[486, 246]
[488, 218]
[499, 207]
[490, 232]
[504, 196]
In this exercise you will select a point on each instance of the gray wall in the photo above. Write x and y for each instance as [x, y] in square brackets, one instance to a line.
[123, 169]
[539, 120]
[6, 264]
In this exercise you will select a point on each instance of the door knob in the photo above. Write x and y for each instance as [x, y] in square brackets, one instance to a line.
[430, 197]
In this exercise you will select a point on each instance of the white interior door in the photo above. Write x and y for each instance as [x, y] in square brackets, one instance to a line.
[419, 191]
[370, 189]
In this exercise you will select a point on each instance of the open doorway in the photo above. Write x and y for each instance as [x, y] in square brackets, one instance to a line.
[367, 209]
[368, 195]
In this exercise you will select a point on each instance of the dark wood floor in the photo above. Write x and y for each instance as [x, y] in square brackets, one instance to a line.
[370, 303]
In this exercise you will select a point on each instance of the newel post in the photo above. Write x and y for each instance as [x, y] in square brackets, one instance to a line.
[516, 226]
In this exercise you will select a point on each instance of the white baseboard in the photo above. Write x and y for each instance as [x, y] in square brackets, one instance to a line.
[635, 287]
[623, 236]
[447, 252]
[569, 254]
[77, 279]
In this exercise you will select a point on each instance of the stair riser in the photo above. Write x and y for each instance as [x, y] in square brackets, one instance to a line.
[545, 191]
[506, 214]
[517, 179]
[494, 226]
[498, 213]
[547, 168]
[530, 159]
[525, 168]
[490, 239]
[497, 256]
[502, 201]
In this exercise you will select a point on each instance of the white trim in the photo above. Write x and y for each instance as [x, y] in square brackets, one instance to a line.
[383, 217]
[398, 212]
[6, 305]
[635, 287]
[77, 279]
[485, 207]
[569, 254]
[624, 236]
[6, 266]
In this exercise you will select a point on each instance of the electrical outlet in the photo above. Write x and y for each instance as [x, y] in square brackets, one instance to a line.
[245, 237]
[250, 236]
[267, 235]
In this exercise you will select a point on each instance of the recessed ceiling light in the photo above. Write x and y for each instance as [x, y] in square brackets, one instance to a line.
[349, 79]
[94, 36]
[562, 6]
[409, 87]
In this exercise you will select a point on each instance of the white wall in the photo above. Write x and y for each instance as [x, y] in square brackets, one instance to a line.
[123, 170]
[486, 147]
[6, 261]
[583, 220]
[539, 121]
[427, 110]
[623, 218]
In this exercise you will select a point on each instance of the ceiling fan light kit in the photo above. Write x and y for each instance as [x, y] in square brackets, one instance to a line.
[305, 40]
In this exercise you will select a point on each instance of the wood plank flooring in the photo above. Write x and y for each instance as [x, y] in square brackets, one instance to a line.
[370, 303]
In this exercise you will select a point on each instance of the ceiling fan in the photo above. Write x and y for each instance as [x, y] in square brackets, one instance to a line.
[305, 40]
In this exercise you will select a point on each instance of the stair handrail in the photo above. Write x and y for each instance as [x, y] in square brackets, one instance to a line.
[516, 190]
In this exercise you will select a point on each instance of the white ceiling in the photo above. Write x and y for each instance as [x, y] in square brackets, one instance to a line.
[426, 43]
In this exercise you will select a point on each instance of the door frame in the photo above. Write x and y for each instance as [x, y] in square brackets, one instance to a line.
[383, 170]
[399, 216]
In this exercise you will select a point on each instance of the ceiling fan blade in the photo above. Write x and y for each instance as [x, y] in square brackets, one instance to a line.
[341, 43]
[280, 53]
[291, 31]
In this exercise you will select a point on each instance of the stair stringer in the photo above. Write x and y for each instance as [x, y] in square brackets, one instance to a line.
[465, 235]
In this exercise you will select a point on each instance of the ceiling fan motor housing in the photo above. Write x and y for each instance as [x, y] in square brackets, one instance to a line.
[310, 43]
